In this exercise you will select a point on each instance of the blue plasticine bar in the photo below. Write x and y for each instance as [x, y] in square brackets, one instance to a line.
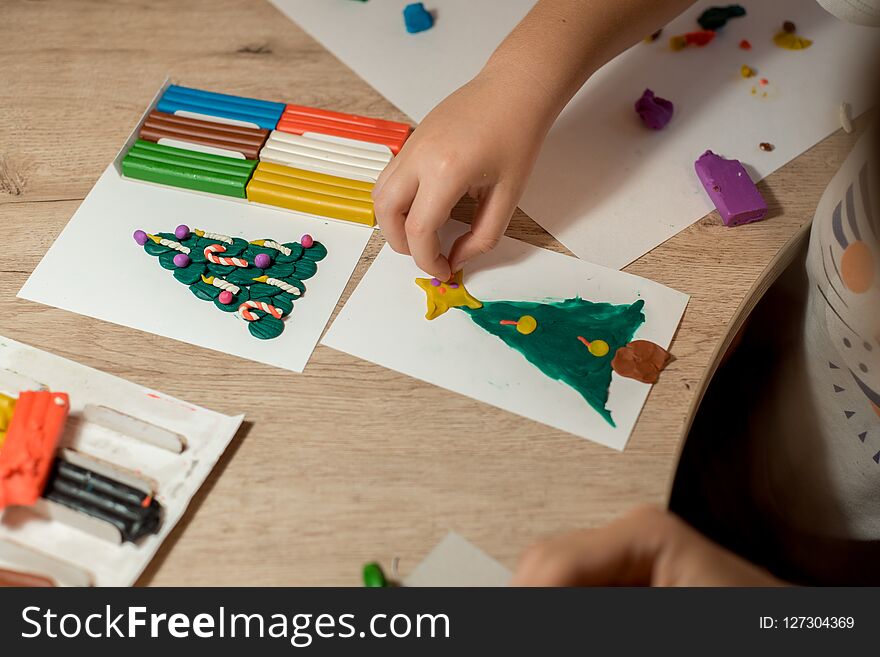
[263, 113]
[731, 189]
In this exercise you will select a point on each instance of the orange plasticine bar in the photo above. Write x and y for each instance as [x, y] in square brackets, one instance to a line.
[298, 120]
[29, 450]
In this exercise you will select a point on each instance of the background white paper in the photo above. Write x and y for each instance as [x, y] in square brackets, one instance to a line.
[604, 185]
[455, 561]
[384, 322]
[95, 268]
[179, 476]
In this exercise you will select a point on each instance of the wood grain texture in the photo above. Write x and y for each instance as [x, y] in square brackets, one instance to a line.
[306, 498]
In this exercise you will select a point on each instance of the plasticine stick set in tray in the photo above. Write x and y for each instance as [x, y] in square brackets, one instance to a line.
[310, 160]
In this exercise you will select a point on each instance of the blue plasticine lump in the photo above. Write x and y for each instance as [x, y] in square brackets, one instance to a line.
[417, 18]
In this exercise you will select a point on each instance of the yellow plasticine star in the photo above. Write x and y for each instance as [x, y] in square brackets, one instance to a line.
[445, 295]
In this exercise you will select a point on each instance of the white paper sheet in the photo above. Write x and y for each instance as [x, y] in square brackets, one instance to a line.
[95, 268]
[179, 476]
[604, 185]
[384, 322]
[455, 561]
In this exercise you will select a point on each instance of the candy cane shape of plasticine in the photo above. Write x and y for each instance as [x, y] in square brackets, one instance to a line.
[283, 285]
[217, 260]
[213, 236]
[271, 244]
[248, 316]
[171, 244]
[221, 284]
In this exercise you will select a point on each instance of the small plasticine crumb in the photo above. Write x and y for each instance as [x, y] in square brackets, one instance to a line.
[654, 111]
[791, 41]
[714, 18]
[747, 71]
[789, 27]
[653, 37]
[764, 82]
[745, 44]
[699, 39]
[417, 18]
[766, 146]
[641, 360]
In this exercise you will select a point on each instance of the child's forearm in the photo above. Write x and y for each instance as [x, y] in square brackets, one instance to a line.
[561, 43]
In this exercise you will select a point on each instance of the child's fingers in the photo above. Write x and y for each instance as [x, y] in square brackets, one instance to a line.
[391, 206]
[488, 226]
[430, 210]
[620, 554]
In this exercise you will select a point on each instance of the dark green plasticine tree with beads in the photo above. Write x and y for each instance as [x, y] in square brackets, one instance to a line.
[259, 280]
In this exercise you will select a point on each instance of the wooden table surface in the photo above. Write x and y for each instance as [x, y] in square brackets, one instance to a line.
[382, 465]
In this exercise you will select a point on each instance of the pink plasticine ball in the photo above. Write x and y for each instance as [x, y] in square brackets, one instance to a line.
[140, 237]
[262, 261]
[181, 232]
[181, 260]
[307, 241]
[226, 297]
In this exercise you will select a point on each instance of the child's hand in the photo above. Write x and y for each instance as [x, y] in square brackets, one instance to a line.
[645, 547]
[482, 141]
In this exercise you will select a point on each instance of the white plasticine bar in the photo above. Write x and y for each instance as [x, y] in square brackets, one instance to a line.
[276, 156]
[357, 149]
[85, 523]
[27, 560]
[109, 470]
[216, 119]
[135, 428]
[200, 148]
[327, 158]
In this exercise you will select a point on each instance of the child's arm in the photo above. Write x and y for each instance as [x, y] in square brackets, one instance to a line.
[484, 138]
[648, 547]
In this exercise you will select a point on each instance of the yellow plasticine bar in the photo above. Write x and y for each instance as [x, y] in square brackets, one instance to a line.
[313, 193]
[7, 407]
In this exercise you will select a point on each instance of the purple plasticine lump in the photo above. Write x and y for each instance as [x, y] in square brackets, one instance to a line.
[655, 112]
[731, 189]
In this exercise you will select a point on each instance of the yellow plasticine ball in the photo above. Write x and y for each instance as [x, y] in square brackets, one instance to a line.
[599, 348]
[526, 324]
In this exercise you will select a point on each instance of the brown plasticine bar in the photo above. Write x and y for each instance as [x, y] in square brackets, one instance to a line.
[247, 141]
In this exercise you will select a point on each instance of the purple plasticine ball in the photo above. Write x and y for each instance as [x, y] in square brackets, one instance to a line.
[307, 241]
[226, 297]
[181, 232]
[435, 282]
[654, 111]
[262, 261]
[140, 237]
[181, 260]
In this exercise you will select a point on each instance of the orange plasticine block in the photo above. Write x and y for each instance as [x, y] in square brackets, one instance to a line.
[299, 120]
[29, 449]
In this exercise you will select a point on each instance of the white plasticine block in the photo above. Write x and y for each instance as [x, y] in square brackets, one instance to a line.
[85, 523]
[337, 145]
[353, 143]
[19, 558]
[109, 470]
[134, 427]
[200, 148]
[326, 157]
[216, 119]
[276, 156]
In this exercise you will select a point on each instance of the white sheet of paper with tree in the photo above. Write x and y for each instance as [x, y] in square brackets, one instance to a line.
[384, 322]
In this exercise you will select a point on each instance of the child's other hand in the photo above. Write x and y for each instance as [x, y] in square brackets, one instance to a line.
[647, 547]
[481, 141]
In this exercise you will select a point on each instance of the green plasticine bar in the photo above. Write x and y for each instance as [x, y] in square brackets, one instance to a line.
[178, 167]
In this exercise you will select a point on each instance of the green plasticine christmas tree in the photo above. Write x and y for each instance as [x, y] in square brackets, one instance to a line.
[259, 280]
[574, 341]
